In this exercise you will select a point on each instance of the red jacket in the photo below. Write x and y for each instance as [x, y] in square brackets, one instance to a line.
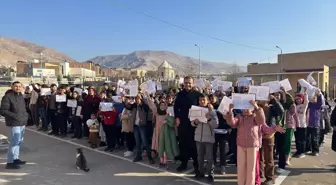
[110, 117]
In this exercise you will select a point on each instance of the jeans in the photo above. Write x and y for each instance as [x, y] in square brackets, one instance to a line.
[110, 132]
[62, 126]
[300, 140]
[280, 141]
[313, 138]
[53, 120]
[130, 141]
[220, 142]
[78, 130]
[43, 115]
[35, 114]
[204, 150]
[141, 139]
[16, 137]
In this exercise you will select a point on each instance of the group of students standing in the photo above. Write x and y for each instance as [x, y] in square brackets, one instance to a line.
[255, 137]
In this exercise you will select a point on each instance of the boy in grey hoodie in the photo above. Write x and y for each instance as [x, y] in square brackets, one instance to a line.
[205, 138]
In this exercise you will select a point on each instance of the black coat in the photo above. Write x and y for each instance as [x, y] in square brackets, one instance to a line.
[13, 109]
[183, 102]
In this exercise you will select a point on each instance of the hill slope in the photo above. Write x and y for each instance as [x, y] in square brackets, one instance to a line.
[150, 60]
[13, 50]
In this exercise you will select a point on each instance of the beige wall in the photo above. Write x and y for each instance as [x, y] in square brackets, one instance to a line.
[308, 60]
[300, 62]
[166, 73]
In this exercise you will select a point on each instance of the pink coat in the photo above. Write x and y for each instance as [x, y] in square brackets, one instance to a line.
[247, 128]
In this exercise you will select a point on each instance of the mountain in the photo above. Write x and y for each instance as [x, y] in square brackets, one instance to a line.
[150, 60]
[13, 50]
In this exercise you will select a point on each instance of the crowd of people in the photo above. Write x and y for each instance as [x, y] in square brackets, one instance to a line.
[158, 125]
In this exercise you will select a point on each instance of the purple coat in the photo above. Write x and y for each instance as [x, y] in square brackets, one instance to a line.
[314, 113]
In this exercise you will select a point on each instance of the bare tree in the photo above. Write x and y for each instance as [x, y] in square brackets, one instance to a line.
[234, 71]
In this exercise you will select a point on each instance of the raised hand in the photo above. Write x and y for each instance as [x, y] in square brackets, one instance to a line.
[254, 104]
[280, 129]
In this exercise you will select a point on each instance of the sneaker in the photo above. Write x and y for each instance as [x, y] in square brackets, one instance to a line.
[296, 155]
[315, 154]
[19, 162]
[210, 178]
[111, 150]
[128, 154]
[51, 133]
[268, 182]
[165, 166]
[151, 160]
[12, 166]
[308, 152]
[223, 170]
[280, 171]
[107, 149]
[301, 156]
[199, 176]
[182, 167]
[102, 144]
[137, 159]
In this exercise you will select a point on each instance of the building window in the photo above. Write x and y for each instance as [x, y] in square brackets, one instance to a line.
[162, 74]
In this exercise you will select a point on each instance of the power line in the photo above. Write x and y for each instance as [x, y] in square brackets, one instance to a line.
[189, 30]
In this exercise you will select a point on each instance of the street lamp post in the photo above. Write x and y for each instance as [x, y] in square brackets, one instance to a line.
[41, 59]
[281, 70]
[199, 60]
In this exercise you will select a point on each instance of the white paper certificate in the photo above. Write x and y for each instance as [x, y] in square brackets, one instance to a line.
[199, 113]
[242, 101]
[260, 92]
[72, 103]
[79, 110]
[105, 106]
[60, 98]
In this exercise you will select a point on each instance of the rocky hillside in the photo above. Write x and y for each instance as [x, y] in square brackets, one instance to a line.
[150, 60]
[12, 50]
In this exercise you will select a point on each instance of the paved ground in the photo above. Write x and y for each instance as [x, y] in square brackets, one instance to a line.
[52, 161]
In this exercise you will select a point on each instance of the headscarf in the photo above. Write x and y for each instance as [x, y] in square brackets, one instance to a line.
[159, 111]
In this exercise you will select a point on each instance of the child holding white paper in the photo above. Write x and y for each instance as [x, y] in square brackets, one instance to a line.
[205, 138]
[248, 125]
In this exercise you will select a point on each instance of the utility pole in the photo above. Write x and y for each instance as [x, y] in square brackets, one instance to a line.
[199, 60]
[41, 59]
[281, 70]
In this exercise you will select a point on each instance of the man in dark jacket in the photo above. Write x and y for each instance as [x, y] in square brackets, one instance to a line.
[16, 116]
[183, 102]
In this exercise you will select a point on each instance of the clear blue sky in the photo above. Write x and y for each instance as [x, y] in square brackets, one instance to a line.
[84, 29]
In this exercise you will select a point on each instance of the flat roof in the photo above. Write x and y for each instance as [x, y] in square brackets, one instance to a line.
[305, 52]
[285, 73]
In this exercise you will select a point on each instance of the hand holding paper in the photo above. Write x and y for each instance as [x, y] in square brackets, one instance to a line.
[254, 104]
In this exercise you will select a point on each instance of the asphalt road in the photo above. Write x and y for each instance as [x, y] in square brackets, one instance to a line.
[52, 161]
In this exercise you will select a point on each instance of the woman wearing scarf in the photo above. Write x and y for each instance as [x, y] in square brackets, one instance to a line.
[90, 105]
[161, 116]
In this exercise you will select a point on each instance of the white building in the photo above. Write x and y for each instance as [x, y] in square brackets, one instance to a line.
[81, 72]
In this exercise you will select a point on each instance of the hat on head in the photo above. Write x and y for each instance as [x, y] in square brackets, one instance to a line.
[300, 96]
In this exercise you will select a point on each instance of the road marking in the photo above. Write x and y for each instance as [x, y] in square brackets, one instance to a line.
[182, 175]
[281, 177]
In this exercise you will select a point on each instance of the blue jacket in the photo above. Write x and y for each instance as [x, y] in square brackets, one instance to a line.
[315, 113]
